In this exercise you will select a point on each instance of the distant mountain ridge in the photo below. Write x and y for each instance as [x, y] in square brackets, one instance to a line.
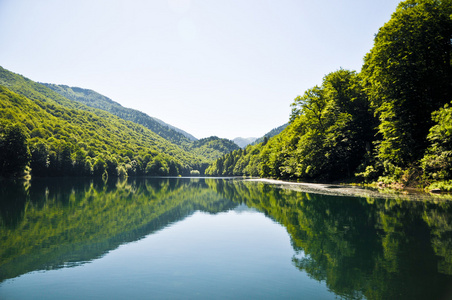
[243, 142]
[96, 100]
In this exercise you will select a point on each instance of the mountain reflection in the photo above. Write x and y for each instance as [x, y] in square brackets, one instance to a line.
[361, 248]
[52, 224]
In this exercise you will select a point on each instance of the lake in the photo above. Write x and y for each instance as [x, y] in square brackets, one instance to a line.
[196, 238]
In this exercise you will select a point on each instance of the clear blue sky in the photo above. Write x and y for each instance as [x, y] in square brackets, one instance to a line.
[227, 68]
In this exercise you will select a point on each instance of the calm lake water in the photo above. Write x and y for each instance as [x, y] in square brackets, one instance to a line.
[181, 238]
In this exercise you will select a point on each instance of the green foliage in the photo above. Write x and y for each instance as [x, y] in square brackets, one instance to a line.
[408, 76]
[437, 162]
[373, 125]
[212, 147]
[241, 162]
[334, 129]
[67, 138]
[327, 138]
[442, 185]
[14, 152]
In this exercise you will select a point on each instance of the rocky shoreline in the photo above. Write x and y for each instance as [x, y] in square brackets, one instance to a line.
[352, 190]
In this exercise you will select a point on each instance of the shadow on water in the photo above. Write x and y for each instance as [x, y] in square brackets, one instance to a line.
[361, 248]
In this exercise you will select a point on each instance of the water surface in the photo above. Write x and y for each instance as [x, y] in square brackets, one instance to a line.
[217, 238]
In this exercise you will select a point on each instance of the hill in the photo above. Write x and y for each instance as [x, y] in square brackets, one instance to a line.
[212, 147]
[96, 100]
[64, 137]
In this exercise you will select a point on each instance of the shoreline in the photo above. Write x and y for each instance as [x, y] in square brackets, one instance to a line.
[333, 189]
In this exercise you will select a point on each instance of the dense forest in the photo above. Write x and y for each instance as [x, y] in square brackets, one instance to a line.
[391, 122]
[43, 133]
[56, 141]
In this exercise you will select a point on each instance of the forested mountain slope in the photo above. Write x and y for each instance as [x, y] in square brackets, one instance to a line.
[209, 148]
[271, 133]
[57, 136]
[96, 100]
[212, 147]
[391, 122]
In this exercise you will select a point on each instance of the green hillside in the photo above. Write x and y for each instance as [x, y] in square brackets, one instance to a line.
[96, 100]
[64, 137]
[212, 147]
[208, 148]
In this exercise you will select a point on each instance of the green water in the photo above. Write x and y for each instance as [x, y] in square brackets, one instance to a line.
[181, 238]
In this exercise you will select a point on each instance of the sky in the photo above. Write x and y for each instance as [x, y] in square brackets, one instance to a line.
[228, 68]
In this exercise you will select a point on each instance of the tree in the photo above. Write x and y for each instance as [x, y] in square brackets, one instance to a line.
[408, 76]
[39, 159]
[437, 163]
[14, 152]
[331, 128]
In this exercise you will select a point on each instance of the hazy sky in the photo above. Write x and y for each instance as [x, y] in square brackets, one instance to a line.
[227, 68]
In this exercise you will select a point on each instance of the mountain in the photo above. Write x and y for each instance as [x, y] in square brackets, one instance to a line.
[243, 142]
[66, 137]
[186, 134]
[209, 148]
[212, 147]
[96, 100]
[271, 133]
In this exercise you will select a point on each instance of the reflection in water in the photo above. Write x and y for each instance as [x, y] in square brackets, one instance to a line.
[361, 248]
[61, 223]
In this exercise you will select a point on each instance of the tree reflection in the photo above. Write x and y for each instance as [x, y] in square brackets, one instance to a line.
[361, 248]
[63, 222]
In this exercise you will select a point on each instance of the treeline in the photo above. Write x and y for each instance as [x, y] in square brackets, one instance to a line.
[391, 122]
[46, 139]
